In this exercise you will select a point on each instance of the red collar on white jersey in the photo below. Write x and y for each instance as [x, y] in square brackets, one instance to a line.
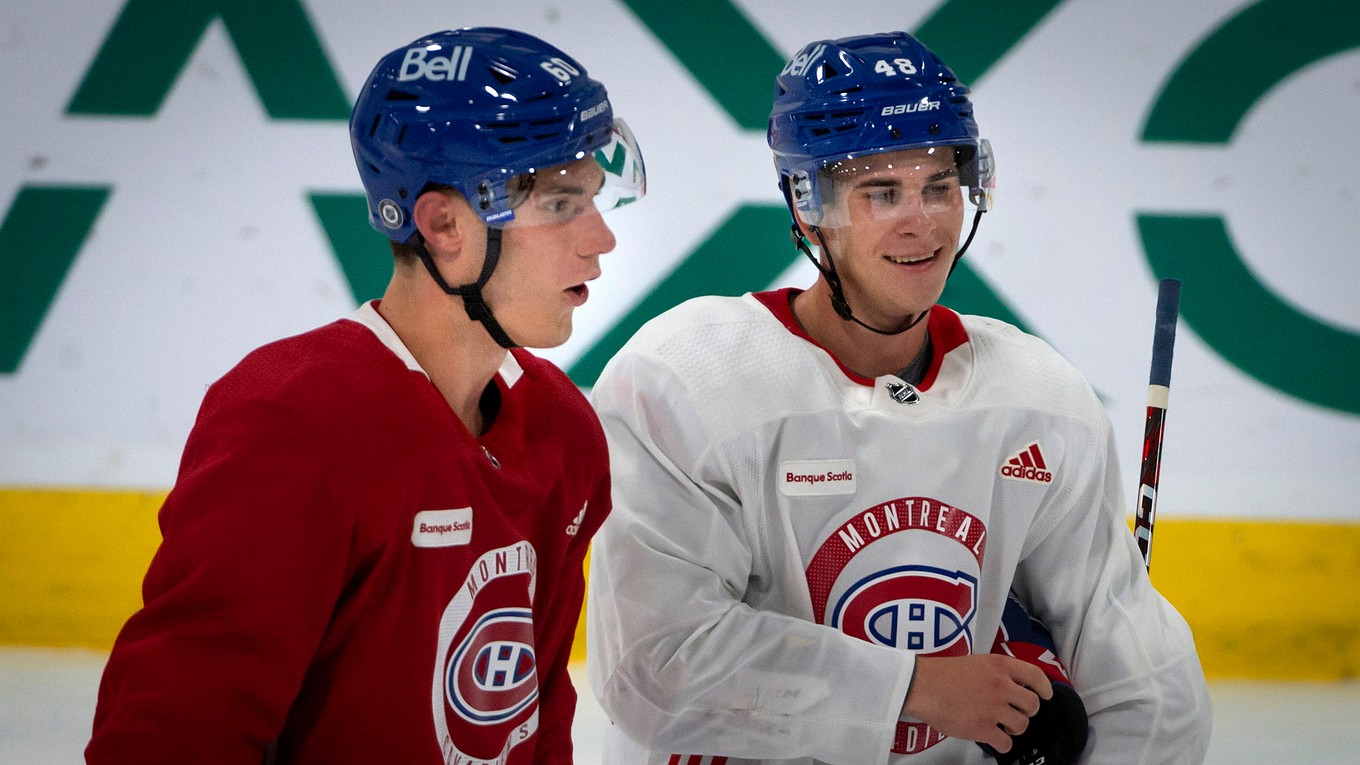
[946, 333]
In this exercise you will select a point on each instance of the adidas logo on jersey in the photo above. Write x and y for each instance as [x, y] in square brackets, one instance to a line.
[1027, 465]
[575, 524]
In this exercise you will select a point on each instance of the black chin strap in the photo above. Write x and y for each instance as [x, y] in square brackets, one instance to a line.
[473, 302]
[977, 218]
[833, 279]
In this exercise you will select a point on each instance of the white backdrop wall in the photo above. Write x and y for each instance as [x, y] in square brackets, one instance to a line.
[203, 242]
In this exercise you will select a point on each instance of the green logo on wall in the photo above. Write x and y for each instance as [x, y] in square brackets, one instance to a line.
[152, 41]
[1205, 101]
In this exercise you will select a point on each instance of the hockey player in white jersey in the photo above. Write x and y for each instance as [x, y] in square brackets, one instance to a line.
[826, 498]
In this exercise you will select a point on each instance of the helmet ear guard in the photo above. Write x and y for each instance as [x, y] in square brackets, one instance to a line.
[977, 172]
[799, 189]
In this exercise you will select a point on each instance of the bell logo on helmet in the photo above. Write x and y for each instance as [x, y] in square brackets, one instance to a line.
[800, 63]
[416, 65]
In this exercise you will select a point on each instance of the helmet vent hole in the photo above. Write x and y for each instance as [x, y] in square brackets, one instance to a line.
[826, 71]
[373, 129]
[503, 76]
[402, 95]
[401, 135]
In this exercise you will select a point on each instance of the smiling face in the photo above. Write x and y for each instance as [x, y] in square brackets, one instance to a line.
[548, 253]
[892, 225]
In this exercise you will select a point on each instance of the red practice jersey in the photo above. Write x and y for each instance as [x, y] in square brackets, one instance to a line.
[349, 576]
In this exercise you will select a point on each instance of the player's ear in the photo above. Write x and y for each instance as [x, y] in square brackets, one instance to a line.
[439, 216]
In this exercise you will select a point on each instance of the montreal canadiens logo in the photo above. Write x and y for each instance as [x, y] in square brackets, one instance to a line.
[492, 675]
[919, 608]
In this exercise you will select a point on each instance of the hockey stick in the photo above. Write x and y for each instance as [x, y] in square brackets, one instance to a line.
[1159, 389]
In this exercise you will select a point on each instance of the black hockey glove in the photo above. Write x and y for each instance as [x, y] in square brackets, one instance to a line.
[1057, 732]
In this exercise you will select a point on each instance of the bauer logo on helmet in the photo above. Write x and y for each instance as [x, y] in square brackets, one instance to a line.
[594, 111]
[916, 106]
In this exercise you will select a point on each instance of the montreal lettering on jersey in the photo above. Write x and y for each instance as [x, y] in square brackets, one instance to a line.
[914, 513]
[517, 559]
[815, 478]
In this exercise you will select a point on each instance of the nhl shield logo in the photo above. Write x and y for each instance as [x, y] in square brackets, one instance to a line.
[903, 393]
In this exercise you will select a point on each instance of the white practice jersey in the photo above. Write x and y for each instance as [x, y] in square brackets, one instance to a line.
[788, 536]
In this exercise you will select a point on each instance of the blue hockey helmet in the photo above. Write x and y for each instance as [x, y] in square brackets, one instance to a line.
[474, 109]
[841, 99]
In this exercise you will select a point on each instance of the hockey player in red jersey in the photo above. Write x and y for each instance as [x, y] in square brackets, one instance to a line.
[373, 549]
[824, 499]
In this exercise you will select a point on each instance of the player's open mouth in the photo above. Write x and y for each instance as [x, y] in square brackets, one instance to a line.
[579, 293]
[910, 260]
